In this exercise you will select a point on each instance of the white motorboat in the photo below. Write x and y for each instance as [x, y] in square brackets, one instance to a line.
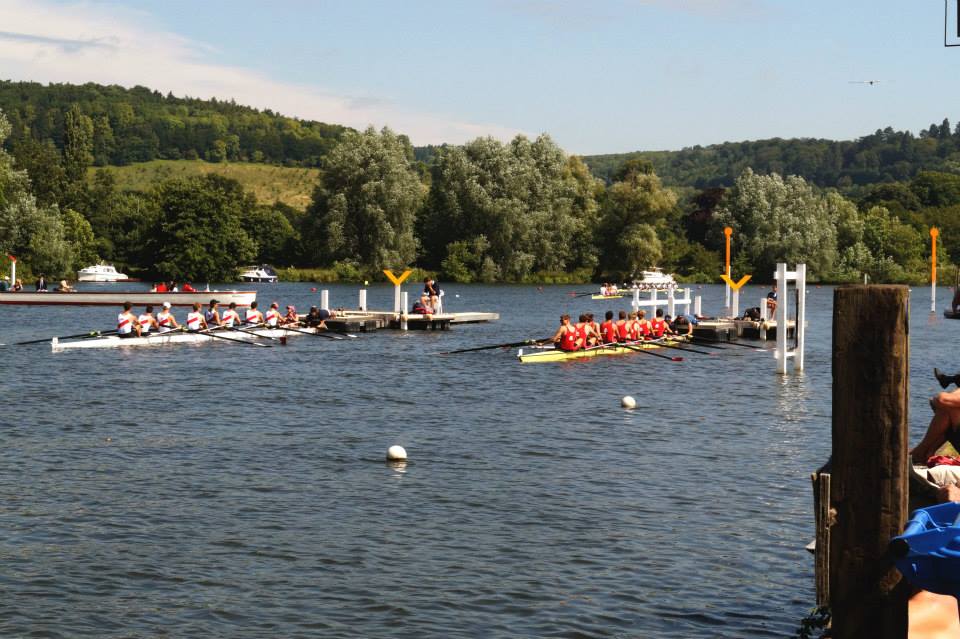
[181, 337]
[100, 273]
[262, 273]
[655, 279]
[116, 298]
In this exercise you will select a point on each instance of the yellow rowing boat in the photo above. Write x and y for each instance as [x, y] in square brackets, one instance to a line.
[557, 355]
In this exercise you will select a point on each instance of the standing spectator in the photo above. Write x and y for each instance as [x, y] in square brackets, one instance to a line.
[772, 302]
[432, 290]
[42, 284]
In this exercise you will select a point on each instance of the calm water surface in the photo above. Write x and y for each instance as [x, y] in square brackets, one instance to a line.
[221, 490]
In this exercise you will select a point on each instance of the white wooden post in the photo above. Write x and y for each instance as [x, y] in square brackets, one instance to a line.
[403, 312]
[13, 274]
[636, 299]
[735, 311]
[781, 315]
[763, 310]
[686, 305]
[670, 304]
[362, 305]
[398, 307]
[325, 299]
[653, 302]
[696, 306]
[801, 316]
[933, 293]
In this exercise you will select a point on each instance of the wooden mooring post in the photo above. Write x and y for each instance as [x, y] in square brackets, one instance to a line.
[870, 464]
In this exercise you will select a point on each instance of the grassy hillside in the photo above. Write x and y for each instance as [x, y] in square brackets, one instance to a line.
[291, 185]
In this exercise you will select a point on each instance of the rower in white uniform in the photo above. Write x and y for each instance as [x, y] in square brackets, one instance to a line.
[254, 316]
[230, 318]
[165, 319]
[212, 315]
[147, 321]
[127, 325]
[272, 318]
[195, 321]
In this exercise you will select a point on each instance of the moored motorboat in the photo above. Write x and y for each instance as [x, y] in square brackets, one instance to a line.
[654, 279]
[262, 273]
[115, 298]
[179, 337]
[100, 273]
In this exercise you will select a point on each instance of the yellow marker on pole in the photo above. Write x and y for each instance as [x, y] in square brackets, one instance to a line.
[727, 231]
[738, 285]
[397, 281]
[934, 232]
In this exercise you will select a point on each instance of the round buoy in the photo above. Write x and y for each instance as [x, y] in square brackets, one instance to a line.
[313, 289]
[628, 402]
[396, 453]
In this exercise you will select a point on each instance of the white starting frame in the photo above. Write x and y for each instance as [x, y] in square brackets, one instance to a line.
[671, 302]
[783, 277]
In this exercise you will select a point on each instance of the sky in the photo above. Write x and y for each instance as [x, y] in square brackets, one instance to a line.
[598, 76]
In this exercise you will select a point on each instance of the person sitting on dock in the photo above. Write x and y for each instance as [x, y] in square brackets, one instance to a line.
[567, 337]
[943, 426]
[147, 321]
[188, 289]
[166, 322]
[160, 287]
[127, 325]
[18, 286]
[41, 284]
[230, 317]
[212, 314]
[432, 290]
[684, 324]
[772, 302]
[195, 321]
[65, 288]
[253, 315]
[422, 306]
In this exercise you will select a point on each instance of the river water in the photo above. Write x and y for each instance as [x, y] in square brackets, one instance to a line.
[221, 490]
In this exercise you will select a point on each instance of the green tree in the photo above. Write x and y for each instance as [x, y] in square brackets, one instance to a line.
[365, 206]
[78, 145]
[198, 234]
[276, 239]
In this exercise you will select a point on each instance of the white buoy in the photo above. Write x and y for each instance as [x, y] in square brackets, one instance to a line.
[396, 453]
[628, 402]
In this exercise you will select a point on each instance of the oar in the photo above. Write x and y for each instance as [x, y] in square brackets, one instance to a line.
[208, 332]
[255, 334]
[487, 348]
[575, 294]
[681, 348]
[649, 352]
[47, 339]
[704, 340]
[297, 330]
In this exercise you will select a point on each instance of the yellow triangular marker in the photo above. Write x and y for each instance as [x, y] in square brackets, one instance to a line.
[397, 281]
[736, 287]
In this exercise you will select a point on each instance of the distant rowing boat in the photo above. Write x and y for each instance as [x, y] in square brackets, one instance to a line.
[557, 355]
[177, 337]
[116, 298]
[615, 296]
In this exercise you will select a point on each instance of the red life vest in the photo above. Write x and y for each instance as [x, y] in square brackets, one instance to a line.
[609, 331]
[568, 341]
[657, 325]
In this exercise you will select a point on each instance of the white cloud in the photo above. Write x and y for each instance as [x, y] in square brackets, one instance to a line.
[78, 43]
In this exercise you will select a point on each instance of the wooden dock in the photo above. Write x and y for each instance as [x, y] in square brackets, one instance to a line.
[368, 321]
[762, 330]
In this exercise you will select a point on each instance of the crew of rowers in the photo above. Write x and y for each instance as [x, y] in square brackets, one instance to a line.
[130, 325]
[608, 288]
[632, 327]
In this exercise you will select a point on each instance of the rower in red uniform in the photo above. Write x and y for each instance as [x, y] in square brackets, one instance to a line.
[658, 326]
[622, 328]
[566, 337]
[583, 331]
[633, 327]
[608, 330]
[643, 326]
[595, 338]
[127, 325]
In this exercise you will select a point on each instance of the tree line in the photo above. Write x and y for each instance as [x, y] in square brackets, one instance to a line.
[521, 211]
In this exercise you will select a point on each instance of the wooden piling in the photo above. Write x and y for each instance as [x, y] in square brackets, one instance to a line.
[870, 469]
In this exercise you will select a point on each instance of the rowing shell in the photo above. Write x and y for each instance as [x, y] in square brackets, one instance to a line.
[175, 337]
[606, 297]
[557, 355]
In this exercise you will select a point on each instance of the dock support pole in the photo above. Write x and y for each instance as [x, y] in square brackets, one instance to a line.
[636, 299]
[697, 306]
[870, 470]
[686, 305]
[670, 303]
[13, 271]
[362, 304]
[398, 306]
[325, 299]
[763, 310]
[800, 329]
[735, 310]
[781, 317]
[403, 311]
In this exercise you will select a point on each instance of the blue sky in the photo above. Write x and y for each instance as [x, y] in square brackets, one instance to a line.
[600, 77]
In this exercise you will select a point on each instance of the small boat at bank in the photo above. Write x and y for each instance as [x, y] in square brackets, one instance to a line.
[178, 337]
[654, 280]
[116, 298]
[262, 273]
[100, 273]
[557, 355]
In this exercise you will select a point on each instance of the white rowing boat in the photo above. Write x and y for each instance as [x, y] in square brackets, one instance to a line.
[176, 337]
